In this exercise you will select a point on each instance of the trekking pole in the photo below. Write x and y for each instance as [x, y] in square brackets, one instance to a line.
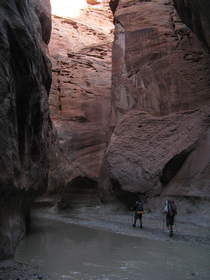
[175, 224]
[163, 224]
[131, 218]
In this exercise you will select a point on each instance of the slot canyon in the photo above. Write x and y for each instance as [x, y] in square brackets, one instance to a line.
[104, 103]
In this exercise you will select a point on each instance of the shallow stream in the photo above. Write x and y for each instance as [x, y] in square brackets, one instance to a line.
[67, 251]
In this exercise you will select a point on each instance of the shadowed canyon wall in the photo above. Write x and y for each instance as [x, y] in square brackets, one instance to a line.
[160, 100]
[25, 79]
[196, 15]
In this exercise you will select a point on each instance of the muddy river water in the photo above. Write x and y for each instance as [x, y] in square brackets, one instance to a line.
[67, 251]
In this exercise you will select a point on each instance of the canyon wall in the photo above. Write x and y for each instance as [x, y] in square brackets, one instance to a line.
[196, 15]
[160, 101]
[80, 97]
[25, 79]
[154, 61]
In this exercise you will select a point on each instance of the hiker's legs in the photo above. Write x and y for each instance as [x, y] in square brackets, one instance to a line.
[170, 230]
[135, 219]
[140, 220]
[167, 221]
[171, 223]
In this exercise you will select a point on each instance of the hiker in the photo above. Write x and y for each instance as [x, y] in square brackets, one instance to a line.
[139, 211]
[170, 210]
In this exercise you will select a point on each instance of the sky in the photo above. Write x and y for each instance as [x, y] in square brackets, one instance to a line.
[67, 8]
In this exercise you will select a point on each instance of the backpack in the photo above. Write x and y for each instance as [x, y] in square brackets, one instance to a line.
[172, 208]
[139, 207]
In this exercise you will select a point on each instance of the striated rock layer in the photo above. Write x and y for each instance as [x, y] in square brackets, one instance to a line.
[155, 61]
[153, 155]
[25, 80]
[161, 98]
[81, 91]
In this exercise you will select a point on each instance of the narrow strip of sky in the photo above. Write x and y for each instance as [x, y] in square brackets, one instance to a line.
[67, 8]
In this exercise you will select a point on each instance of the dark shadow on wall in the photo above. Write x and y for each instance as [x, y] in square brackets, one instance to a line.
[125, 197]
[80, 191]
[196, 15]
[173, 166]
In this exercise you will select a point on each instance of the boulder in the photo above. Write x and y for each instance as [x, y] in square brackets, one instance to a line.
[153, 155]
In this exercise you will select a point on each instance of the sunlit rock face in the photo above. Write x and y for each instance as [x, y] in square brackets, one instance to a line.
[93, 2]
[80, 49]
[160, 68]
[153, 60]
[25, 79]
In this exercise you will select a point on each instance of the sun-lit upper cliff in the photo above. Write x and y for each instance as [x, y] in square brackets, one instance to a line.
[67, 8]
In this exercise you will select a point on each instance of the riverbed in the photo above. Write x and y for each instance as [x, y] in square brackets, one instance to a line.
[65, 250]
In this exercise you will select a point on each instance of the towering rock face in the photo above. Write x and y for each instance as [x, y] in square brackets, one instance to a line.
[154, 61]
[161, 98]
[25, 79]
[80, 107]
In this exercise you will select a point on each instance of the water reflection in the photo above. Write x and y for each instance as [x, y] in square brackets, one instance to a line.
[75, 252]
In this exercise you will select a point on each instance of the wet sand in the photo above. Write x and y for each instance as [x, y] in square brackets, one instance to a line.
[192, 229]
[72, 246]
[11, 270]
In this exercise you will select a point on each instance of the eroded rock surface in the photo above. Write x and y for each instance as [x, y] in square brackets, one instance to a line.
[80, 96]
[155, 61]
[25, 80]
[160, 84]
[152, 155]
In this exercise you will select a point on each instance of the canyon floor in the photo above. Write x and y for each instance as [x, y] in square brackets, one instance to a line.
[99, 242]
[11, 270]
[188, 228]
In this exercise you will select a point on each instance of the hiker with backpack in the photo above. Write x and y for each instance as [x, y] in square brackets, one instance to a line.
[170, 210]
[139, 211]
